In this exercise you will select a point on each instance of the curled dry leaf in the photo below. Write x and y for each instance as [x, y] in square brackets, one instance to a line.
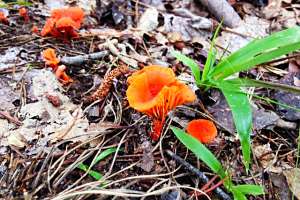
[155, 91]
[293, 179]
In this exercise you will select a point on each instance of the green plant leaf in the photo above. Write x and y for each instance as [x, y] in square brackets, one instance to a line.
[237, 195]
[245, 82]
[249, 189]
[190, 63]
[211, 57]
[104, 154]
[242, 116]
[258, 52]
[23, 3]
[96, 175]
[200, 151]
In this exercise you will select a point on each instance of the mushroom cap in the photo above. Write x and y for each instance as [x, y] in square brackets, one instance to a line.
[75, 13]
[48, 27]
[203, 130]
[50, 58]
[155, 91]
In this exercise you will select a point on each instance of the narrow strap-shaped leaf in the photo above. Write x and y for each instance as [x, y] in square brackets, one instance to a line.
[104, 154]
[190, 63]
[200, 151]
[258, 52]
[96, 175]
[245, 82]
[211, 57]
[249, 189]
[237, 195]
[242, 116]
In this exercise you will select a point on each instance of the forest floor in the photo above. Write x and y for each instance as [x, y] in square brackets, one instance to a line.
[52, 130]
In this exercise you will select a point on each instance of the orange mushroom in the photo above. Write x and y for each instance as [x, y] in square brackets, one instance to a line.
[63, 23]
[50, 58]
[155, 91]
[3, 18]
[66, 27]
[23, 13]
[203, 130]
[62, 76]
[35, 30]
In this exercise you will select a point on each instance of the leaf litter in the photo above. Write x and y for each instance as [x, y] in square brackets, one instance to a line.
[57, 130]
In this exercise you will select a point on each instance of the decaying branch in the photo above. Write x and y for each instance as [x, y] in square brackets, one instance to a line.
[221, 9]
[218, 191]
[78, 60]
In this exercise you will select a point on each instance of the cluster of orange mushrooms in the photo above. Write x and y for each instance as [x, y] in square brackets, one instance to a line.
[153, 90]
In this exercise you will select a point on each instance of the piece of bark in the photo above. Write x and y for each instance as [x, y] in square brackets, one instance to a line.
[221, 9]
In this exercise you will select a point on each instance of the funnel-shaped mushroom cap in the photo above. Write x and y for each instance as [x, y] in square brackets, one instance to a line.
[203, 130]
[75, 13]
[155, 91]
[50, 58]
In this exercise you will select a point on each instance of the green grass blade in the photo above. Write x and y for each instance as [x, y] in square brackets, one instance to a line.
[190, 63]
[211, 57]
[245, 82]
[96, 175]
[258, 52]
[237, 195]
[242, 116]
[104, 154]
[200, 151]
[249, 189]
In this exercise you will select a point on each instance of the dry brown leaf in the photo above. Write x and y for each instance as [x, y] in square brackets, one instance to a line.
[293, 179]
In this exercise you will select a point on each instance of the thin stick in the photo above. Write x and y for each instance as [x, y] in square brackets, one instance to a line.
[218, 191]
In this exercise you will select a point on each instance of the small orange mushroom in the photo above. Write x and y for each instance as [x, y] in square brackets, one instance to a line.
[66, 27]
[50, 58]
[62, 76]
[155, 91]
[35, 30]
[23, 13]
[203, 130]
[63, 23]
[3, 18]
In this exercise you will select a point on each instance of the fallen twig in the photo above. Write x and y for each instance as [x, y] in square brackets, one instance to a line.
[78, 60]
[218, 191]
[6, 115]
[221, 9]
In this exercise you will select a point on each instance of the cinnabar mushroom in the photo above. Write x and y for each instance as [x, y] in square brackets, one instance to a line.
[3, 18]
[61, 75]
[203, 130]
[155, 91]
[50, 58]
[66, 28]
[35, 30]
[63, 23]
[23, 13]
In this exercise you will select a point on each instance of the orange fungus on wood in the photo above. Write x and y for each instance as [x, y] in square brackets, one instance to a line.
[203, 130]
[155, 91]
